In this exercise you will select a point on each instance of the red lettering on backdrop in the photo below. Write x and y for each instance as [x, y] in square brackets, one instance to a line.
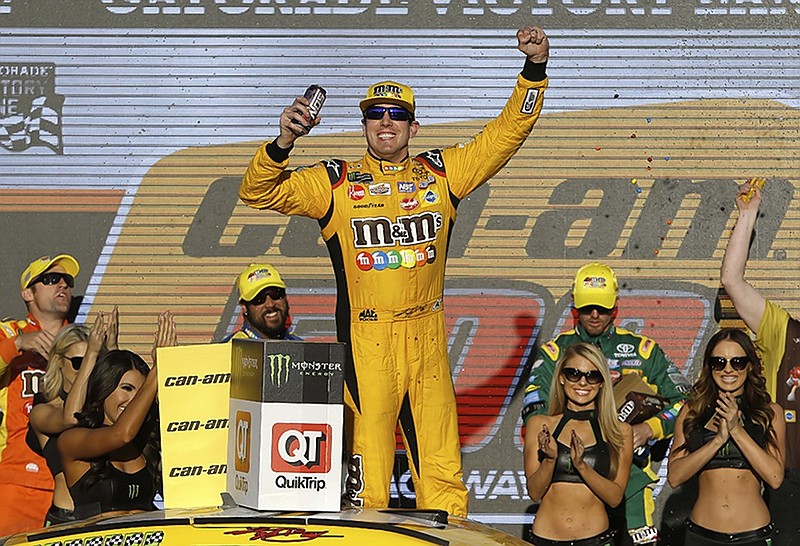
[489, 343]
[675, 319]
[488, 346]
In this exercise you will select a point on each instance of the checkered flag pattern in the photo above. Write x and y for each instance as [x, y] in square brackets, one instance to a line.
[94, 541]
[134, 539]
[40, 126]
[154, 538]
[115, 540]
[74, 542]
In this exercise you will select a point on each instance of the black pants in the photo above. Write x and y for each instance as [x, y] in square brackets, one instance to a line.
[56, 515]
[603, 539]
[700, 536]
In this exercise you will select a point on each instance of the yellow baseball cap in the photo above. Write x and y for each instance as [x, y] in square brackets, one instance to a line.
[40, 265]
[256, 278]
[391, 93]
[595, 284]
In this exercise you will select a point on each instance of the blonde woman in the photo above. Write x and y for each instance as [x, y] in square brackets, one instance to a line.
[578, 457]
[71, 359]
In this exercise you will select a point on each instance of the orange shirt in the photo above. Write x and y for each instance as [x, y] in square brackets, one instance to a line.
[21, 376]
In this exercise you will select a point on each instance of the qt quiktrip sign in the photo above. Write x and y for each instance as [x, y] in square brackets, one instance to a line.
[286, 415]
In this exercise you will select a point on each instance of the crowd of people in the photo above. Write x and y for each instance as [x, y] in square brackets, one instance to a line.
[80, 427]
[80, 434]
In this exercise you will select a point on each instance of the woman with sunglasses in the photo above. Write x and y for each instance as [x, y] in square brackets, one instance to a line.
[732, 436]
[112, 458]
[72, 356]
[580, 468]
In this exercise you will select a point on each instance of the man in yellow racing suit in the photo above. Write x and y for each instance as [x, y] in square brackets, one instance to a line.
[387, 220]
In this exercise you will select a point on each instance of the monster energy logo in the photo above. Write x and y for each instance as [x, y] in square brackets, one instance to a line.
[133, 490]
[279, 369]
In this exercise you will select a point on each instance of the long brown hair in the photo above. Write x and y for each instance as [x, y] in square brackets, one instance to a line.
[604, 403]
[755, 397]
[103, 380]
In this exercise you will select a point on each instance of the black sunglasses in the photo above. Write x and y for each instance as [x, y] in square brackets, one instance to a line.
[587, 310]
[395, 112]
[573, 375]
[50, 279]
[718, 363]
[76, 362]
[275, 293]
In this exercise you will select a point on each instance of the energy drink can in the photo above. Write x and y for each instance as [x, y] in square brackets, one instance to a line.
[316, 98]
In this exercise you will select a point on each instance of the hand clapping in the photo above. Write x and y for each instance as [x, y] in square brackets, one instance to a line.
[547, 446]
[576, 450]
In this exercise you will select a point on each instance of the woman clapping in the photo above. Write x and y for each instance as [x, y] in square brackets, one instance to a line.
[732, 436]
[112, 458]
[582, 467]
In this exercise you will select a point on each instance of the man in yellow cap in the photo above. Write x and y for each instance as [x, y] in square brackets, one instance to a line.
[26, 485]
[265, 308]
[595, 293]
[387, 220]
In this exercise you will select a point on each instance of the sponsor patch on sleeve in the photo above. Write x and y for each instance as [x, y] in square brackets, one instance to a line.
[646, 347]
[552, 350]
[529, 103]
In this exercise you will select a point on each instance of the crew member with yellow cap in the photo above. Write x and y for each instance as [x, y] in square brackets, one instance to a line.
[595, 294]
[26, 484]
[265, 308]
[387, 220]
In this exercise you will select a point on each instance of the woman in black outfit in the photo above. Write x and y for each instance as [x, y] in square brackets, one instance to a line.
[112, 458]
[580, 469]
[733, 436]
[71, 359]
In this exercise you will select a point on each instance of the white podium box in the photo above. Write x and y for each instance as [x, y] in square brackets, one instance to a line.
[286, 425]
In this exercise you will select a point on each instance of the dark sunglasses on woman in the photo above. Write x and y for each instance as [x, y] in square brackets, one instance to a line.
[573, 375]
[719, 363]
[76, 362]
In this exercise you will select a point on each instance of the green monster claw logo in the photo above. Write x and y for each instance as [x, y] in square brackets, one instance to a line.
[279, 369]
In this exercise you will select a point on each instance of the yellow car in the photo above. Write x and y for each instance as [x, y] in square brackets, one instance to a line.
[229, 525]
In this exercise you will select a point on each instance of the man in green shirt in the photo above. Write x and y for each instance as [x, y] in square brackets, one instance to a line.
[595, 294]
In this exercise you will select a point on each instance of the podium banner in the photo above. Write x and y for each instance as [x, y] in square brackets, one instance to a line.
[194, 395]
[286, 435]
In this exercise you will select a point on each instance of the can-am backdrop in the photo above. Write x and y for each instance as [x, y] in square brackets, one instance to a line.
[126, 125]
